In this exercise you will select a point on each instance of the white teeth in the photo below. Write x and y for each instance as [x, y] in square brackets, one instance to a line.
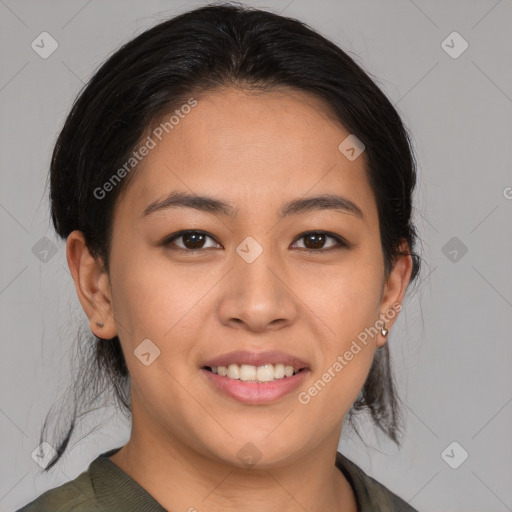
[233, 371]
[265, 373]
[279, 371]
[247, 372]
[288, 371]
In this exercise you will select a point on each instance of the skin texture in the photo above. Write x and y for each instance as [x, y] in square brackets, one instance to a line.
[256, 150]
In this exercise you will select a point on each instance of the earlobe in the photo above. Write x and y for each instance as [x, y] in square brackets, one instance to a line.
[92, 286]
[394, 291]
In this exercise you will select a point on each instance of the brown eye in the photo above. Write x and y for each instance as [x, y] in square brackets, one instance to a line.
[191, 240]
[315, 240]
[195, 241]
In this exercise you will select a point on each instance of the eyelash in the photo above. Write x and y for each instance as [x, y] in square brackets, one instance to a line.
[341, 242]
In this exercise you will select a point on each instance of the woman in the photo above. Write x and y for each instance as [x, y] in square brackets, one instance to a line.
[235, 193]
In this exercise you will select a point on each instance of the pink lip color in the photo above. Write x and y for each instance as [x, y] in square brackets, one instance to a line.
[256, 392]
[256, 359]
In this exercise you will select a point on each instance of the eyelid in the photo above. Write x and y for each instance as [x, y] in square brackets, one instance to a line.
[169, 239]
[341, 242]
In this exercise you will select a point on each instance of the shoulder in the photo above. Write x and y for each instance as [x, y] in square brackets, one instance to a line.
[104, 487]
[73, 496]
[371, 495]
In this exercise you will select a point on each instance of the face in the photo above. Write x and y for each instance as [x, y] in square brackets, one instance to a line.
[256, 275]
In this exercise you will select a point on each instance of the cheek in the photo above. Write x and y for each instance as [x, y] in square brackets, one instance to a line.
[348, 304]
[345, 296]
[162, 303]
[148, 300]
[156, 305]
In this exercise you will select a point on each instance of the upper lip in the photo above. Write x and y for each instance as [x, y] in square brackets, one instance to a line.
[256, 359]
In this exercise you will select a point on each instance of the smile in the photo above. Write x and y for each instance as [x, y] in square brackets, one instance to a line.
[249, 373]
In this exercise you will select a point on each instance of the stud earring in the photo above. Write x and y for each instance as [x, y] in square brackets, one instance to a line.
[384, 331]
[99, 324]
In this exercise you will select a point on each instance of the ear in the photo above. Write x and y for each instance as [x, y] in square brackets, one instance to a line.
[92, 286]
[394, 290]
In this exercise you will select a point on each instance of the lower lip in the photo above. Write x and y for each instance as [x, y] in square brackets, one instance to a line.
[256, 392]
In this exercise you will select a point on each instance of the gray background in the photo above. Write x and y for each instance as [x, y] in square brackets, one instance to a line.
[452, 344]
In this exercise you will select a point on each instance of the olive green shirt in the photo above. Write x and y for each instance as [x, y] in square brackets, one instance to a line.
[105, 487]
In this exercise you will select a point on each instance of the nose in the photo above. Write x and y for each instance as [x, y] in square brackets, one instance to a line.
[257, 295]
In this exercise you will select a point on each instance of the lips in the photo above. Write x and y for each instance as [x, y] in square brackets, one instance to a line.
[255, 393]
[256, 359]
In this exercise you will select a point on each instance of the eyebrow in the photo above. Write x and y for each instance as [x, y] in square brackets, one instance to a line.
[217, 207]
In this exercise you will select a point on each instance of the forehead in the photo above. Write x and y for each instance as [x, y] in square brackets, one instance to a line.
[253, 148]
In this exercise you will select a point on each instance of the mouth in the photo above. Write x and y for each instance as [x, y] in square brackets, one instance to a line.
[255, 378]
[255, 391]
[249, 366]
[249, 373]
